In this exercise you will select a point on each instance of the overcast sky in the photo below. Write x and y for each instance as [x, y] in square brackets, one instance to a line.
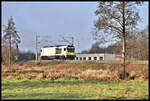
[54, 19]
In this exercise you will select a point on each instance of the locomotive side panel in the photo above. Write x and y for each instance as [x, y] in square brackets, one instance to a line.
[48, 52]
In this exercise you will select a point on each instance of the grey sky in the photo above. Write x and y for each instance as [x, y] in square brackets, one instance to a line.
[54, 19]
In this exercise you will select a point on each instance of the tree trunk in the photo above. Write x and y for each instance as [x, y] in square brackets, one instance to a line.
[123, 40]
[10, 51]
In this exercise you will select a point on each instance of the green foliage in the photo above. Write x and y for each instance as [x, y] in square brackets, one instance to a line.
[73, 89]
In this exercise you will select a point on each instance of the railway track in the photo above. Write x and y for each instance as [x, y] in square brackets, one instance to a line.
[93, 61]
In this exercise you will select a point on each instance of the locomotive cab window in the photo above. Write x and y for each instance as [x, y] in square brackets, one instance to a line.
[70, 49]
[64, 49]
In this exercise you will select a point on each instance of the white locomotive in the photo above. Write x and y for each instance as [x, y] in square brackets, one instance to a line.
[58, 52]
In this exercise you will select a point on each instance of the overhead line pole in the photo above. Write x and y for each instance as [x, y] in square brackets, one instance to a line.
[78, 46]
[36, 44]
[72, 41]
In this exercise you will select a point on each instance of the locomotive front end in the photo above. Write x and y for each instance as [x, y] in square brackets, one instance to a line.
[70, 52]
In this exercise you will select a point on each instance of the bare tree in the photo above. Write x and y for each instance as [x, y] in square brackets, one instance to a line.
[10, 37]
[141, 42]
[118, 20]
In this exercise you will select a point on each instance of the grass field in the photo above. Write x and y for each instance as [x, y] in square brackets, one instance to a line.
[27, 80]
[73, 89]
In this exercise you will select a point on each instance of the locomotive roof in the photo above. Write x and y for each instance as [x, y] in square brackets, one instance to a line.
[58, 46]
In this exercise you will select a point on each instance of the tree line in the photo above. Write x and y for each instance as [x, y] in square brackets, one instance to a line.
[136, 48]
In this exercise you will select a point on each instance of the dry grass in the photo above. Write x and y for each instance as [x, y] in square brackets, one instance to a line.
[87, 71]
